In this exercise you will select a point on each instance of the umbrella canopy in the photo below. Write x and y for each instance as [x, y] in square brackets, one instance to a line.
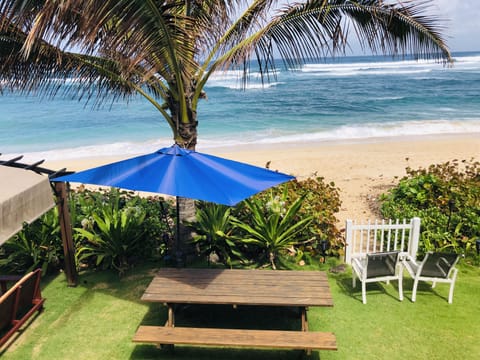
[185, 173]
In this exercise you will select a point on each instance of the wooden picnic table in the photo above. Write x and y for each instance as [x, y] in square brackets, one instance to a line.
[239, 287]
[281, 288]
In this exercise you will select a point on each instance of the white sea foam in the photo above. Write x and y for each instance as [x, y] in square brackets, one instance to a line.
[268, 137]
[374, 68]
[384, 130]
[233, 79]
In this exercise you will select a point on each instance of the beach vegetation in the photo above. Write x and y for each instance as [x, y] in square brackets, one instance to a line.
[272, 227]
[110, 236]
[166, 51]
[37, 245]
[116, 229]
[447, 199]
[287, 222]
[322, 202]
[113, 229]
[213, 231]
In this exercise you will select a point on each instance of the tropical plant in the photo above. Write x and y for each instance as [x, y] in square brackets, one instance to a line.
[213, 230]
[322, 202]
[167, 50]
[273, 227]
[37, 245]
[113, 235]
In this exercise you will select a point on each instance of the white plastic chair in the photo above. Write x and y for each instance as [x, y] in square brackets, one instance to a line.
[435, 267]
[375, 267]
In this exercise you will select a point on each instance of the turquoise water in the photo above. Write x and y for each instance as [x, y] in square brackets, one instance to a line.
[350, 98]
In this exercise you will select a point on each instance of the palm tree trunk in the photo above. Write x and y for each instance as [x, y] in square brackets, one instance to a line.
[184, 250]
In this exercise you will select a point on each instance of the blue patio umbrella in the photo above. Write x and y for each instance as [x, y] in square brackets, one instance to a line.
[183, 173]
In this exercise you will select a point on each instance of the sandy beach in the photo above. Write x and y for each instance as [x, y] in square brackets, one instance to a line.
[360, 169]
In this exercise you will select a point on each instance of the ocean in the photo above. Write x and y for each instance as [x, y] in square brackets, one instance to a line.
[346, 99]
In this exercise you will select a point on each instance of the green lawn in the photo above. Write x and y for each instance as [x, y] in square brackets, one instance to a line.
[97, 320]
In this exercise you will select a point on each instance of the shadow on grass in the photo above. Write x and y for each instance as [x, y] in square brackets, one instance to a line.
[425, 289]
[198, 353]
[222, 316]
[344, 283]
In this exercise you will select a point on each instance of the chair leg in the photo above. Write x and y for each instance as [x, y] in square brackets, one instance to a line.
[400, 288]
[414, 291]
[452, 285]
[364, 292]
[450, 293]
[400, 281]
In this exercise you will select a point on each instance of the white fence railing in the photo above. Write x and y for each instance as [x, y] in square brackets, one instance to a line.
[384, 235]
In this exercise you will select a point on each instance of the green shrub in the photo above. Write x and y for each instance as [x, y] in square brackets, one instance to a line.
[112, 234]
[37, 245]
[115, 229]
[158, 226]
[322, 202]
[447, 199]
[264, 216]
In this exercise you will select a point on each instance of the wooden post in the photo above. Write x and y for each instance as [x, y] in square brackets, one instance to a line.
[66, 232]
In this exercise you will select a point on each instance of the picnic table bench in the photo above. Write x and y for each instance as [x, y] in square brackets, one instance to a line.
[281, 339]
[238, 288]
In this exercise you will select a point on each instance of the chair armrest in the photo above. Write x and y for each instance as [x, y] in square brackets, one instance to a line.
[359, 268]
[411, 265]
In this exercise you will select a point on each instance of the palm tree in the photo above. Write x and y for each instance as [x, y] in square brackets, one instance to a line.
[167, 50]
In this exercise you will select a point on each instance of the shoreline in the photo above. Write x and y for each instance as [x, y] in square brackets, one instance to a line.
[362, 169]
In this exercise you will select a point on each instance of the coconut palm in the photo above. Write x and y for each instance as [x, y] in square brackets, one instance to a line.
[167, 50]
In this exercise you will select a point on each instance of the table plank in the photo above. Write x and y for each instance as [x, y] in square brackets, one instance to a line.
[240, 287]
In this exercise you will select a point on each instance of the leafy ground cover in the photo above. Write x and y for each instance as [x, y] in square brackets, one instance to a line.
[97, 320]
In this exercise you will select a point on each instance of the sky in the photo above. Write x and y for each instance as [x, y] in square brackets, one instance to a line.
[461, 19]
[463, 24]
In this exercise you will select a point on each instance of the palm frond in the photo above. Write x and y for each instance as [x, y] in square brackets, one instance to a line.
[315, 29]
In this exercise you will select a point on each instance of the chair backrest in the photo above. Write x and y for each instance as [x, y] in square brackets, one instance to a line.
[438, 265]
[8, 307]
[381, 236]
[382, 264]
[30, 290]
